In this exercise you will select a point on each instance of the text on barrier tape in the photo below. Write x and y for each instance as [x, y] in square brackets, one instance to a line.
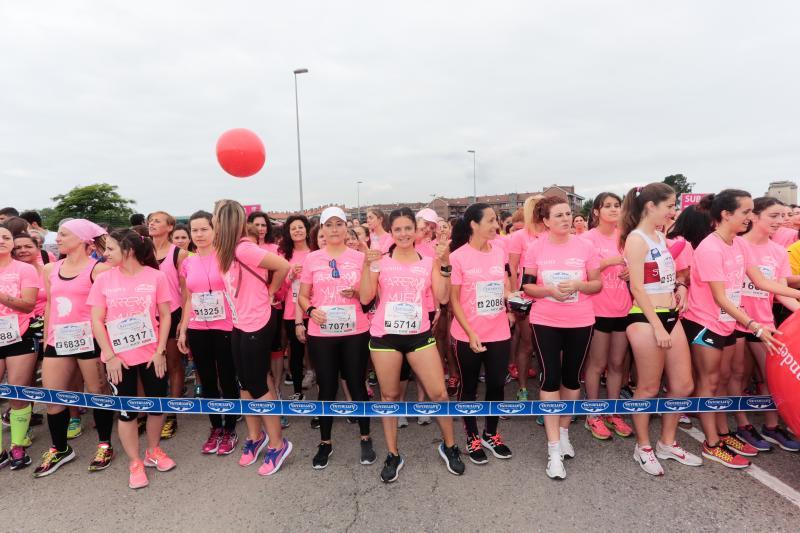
[344, 408]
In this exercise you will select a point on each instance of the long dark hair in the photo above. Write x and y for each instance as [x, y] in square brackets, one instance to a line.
[634, 202]
[286, 246]
[269, 237]
[726, 200]
[693, 225]
[462, 230]
[141, 247]
[597, 204]
[381, 215]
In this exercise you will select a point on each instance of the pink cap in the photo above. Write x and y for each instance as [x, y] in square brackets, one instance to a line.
[85, 230]
[428, 215]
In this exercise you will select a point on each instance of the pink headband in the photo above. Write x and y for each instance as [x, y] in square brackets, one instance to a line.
[84, 229]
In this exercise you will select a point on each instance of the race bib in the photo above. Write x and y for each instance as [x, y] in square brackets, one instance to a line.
[735, 296]
[402, 319]
[73, 338]
[131, 332]
[234, 316]
[489, 298]
[295, 290]
[208, 306]
[748, 289]
[551, 278]
[340, 319]
[9, 330]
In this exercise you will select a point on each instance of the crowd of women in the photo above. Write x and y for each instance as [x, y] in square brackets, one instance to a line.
[642, 301]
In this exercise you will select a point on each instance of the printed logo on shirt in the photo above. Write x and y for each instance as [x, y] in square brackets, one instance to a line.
[64, 306]
[575, 262]
[497, 270]
[145, 287]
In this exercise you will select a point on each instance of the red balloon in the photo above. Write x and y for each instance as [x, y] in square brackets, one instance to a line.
[240, 152]
[783, 373]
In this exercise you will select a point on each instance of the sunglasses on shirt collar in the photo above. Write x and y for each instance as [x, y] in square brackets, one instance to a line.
[334, 270]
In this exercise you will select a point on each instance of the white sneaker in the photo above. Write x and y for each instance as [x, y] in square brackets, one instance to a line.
[665, 451]
[402, 422]
[566, 447]
[423, 420]
[684, 420]
[647, 460]
[309, 379]
[555, 466]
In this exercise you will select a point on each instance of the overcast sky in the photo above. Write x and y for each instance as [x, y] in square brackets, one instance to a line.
[602, 95]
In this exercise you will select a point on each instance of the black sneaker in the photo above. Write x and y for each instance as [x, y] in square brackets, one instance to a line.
[3, 458]
[324, 451]
[452, 459]
[352, 420]
[372, 379]
[368, 455]
[287, 379]
[52, 460]
[475, 450]
[18, 458]
[315, 422]
[494, 443]
[391, 468]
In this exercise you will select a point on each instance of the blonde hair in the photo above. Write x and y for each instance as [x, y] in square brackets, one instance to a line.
[528, 209]
[170, 219]
[230, 225]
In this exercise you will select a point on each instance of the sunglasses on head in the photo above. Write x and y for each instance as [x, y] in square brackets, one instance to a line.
[334, 270]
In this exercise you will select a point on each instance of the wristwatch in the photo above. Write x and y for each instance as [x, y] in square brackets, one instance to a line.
[446, 268]
[310, 308]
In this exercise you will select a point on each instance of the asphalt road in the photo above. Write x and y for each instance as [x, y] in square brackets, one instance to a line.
[604, 489]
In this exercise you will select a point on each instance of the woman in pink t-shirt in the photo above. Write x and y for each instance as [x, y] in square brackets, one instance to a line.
[295, 247]
[126, 301]
[19, 287]
[379, 238]
[337, 334]
[401, 328]
[245, 267]
[773, 262]
[478, 296]
[561, 271]
[205, 329]
[609, 347]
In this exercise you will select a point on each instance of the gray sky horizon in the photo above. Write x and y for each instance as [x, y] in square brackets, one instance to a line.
[600, 95]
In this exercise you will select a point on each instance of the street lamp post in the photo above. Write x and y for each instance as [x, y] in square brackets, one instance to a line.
[358, 199]
[297, 116]
[474, 179]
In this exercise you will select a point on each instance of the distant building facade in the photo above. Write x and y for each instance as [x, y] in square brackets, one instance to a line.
[785, 191]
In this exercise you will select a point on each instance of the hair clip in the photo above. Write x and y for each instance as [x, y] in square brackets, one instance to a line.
[638, 189]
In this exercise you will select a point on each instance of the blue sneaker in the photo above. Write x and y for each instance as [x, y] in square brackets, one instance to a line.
[274, 458]
[750, 435]
[780, 437]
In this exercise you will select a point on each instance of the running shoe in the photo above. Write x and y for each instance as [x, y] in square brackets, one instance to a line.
[675, 452]
[540, 420]
[138, 477]
[370, 393]
[780, 437]
[452, 386]
[723, 455]
[402, 422]
[315, 422]
[522, 395]
[618, 425]
[324, 451]
[646, 458]
[212, 444]
[372, 379]
[284, 422]
[102, 457]
[751, 436]
[351, 419]
[684, 420]
[75, 429]
[626, 392]
[597, 428]
[52, 460]
[482, 377]
[391, 468]
[297, 397]
[251, 450]
[566, 446]
[19, 459]
[287, 379]
[452, 459]
[227, 443]
[368, 455]
[494, 443]
[158, 459]
[274, 458]
[309, 379]
[169, 428]
[475, 450]
[555, 465]
[423, 420]
[737, 445]
[513, 371]
[3, 458]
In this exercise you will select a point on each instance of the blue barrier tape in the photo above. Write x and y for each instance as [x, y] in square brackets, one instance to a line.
[345, 408]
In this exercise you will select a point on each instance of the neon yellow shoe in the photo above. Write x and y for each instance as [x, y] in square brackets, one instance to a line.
[75, 429]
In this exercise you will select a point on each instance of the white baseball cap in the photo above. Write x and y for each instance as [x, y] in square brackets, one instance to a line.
[332, 212]
[428, 215]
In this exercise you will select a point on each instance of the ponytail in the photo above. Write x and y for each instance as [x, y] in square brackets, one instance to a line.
[462, 229]
[141, 247]
[633, 206]
[726, 200]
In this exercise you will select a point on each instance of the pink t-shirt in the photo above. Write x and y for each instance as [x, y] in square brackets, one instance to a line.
[518, 243]
[772, 260]
[553, 264]
[250, 300]
[684, 259]
[135, 298]
[292, 286]
[426, 248]
[345, 316]
[68, 299]
[167, 266]
[13, 279]
[280, 296]
[481, 276]
[402, 288]
[715, 261]
[207, 293]
[785, 236]
[614, 300]
[382, 243]
[41, 297]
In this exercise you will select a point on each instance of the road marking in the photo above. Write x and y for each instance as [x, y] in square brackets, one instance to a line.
[757, 473]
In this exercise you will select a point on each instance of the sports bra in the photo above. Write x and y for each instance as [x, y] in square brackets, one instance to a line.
[659, 267]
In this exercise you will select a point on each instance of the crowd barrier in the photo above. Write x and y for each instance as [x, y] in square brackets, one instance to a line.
[374, 409]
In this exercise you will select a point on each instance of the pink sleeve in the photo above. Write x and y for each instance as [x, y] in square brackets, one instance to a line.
[29, 278]
[96, 295]
[593, 261]
[515, 243]
[784, 270]
[529, 261]
[684, 259]
[162, 289]
[250, 254]
[306, 274]
[457, 274]
[711, 267]
[184, 269]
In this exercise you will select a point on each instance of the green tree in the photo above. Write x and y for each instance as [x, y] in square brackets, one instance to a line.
[586, 208]
[680, 183]
[100, 203]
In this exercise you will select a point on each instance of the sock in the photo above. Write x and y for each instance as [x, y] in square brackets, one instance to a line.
[20, 420]
[564, 433]
[104, 420]
[554, 447]
[59, 424]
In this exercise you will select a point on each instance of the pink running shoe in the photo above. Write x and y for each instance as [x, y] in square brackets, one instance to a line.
[618, 425]
[212, 444]
[274, 458]
[251, 450]
[228, 443]
[137, 479]
[598, 430]
[158, 459]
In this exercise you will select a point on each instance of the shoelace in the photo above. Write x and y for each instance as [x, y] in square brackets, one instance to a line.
[733, 442]
[249, 446]
[754, 432]
[101, 452]
[215, 436]
[496, 439]
[722, 452]
[158, 454]
[474, 444]
[651, 457]
[49, 455]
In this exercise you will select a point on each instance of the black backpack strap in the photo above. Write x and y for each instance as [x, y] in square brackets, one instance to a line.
[175, 255]
[253, 272]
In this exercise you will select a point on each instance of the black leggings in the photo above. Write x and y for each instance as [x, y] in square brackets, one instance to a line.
[346, 355]
[251, 358]
[211, 349]
[152, 385]
[561, 355]
[297, 351]
[494, 360]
